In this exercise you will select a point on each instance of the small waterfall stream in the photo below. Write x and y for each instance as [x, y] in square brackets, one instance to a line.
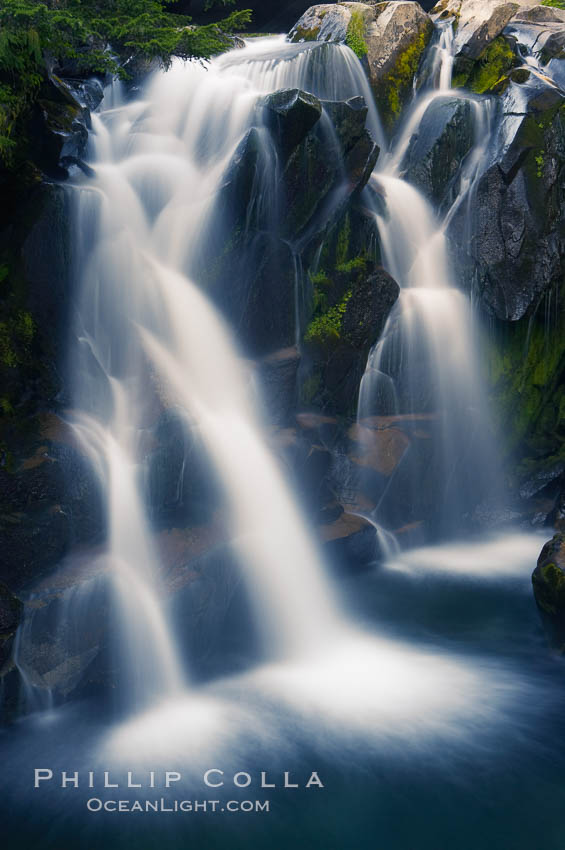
[424, 371]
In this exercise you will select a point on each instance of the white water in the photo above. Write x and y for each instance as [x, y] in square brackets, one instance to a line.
[149, 338]
[426, 361]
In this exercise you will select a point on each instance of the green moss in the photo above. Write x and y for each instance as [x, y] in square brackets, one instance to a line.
[310, 387]
[305, 34]
[398, 82]
[356, 264]
[342, 244]
[525, 367]
[16, 335]
[355, 37]
[326, 328]
[492, 66]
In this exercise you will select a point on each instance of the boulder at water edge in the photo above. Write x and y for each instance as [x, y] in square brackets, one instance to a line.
[548, 580]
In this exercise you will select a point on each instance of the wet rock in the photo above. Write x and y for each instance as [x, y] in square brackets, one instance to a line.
[10, 618]
[339, 344]
[49, 501]
[396, 40]
[548, 582]
[290, 114]
[350, 542]
[278, 383]
[181, 480]
[435, 153]
[517, 217]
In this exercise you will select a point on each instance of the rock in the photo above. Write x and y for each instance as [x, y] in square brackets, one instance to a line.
[290, 114]
[517, 218]
[340, 353]
[49, 501]
[10, 618]
[436, 152]
[396, 40]
[548, 582]
[326, 22]
[389, 37]
[479, 22]
[278, 377]
[350, 542]
[540, 15]
[180, 480]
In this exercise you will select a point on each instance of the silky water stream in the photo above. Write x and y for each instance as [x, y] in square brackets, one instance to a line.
[419, 695]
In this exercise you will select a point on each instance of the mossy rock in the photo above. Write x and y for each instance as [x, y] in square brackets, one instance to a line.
[396, 44]
[488, 73]
[548, 582]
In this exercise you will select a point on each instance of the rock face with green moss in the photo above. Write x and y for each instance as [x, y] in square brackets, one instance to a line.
[332, 22]
[352, 304]
[548, 581]
[396, 41]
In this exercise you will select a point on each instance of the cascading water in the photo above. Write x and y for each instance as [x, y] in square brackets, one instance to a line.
[423, 376]
[147, 337]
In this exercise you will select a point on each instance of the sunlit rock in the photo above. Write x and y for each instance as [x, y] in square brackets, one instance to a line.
[396, 41]
[327, 22]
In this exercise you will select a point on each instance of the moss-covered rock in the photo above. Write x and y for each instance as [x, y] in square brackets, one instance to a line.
[490, 71]
[548, 582]
[396, 42]
[351, 305]
[333, 22]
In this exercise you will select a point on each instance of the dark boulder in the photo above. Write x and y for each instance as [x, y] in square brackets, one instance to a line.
[339, 340]
[517, 217]
[548, 581]
[435, 153]
[10, 617]
[278, 381]
[290, 114]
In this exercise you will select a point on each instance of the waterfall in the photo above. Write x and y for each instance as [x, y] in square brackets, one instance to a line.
[147, 338]
[423, 375]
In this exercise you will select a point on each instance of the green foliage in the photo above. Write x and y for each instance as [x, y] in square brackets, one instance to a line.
[92, 36]
[356, 264]
[326, 328]
[355, 37]
[16, 335]
[558, 4]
